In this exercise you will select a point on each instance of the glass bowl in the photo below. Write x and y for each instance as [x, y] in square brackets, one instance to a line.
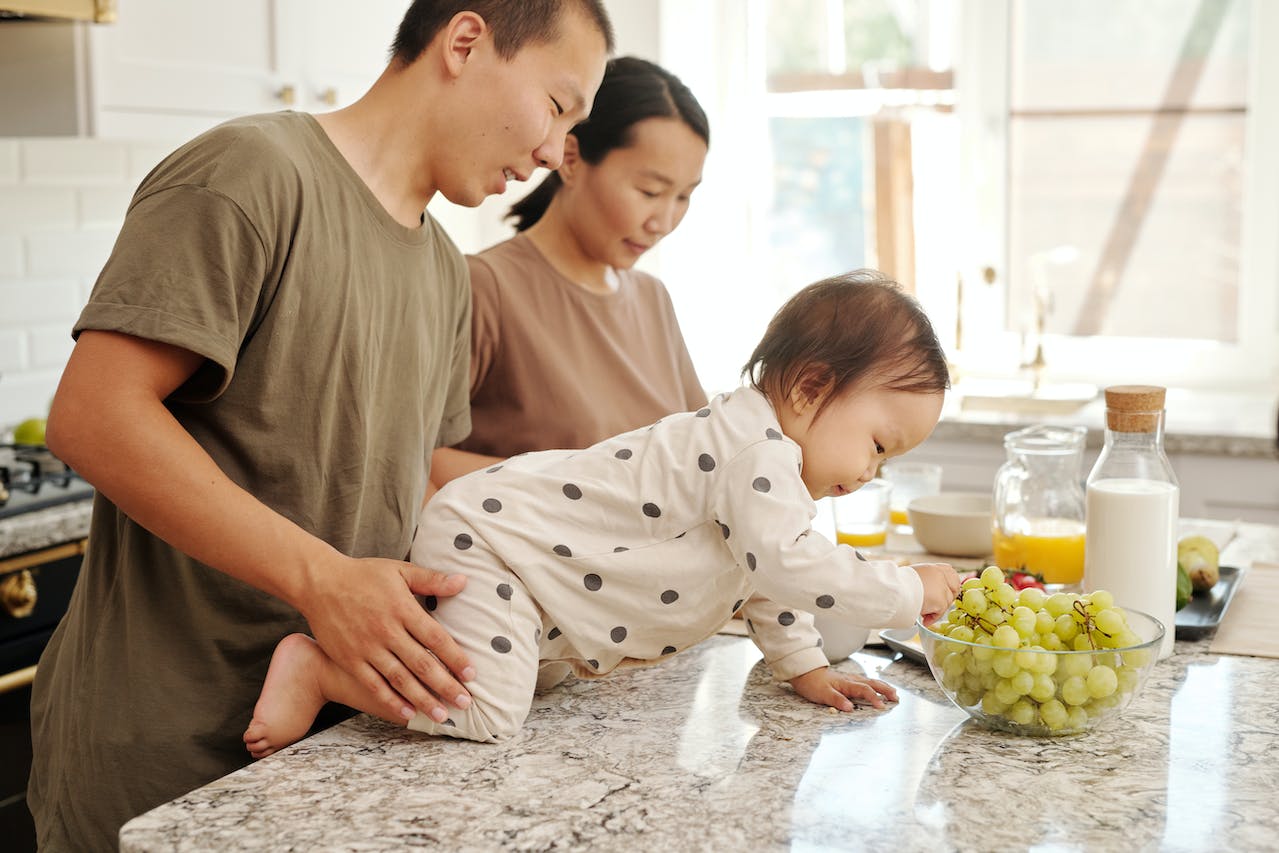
[1070, 691]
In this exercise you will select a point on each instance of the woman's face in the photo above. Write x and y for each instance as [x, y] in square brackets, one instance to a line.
[624, 205]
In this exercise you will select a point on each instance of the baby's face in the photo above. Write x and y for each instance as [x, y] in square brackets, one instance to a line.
[856, 432]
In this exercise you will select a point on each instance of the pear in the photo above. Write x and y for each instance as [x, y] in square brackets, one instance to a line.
[1199, 556]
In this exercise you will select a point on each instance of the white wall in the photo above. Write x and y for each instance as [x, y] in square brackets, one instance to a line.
[61, 204]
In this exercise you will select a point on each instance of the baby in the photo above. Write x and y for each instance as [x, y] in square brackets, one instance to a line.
[641, 546]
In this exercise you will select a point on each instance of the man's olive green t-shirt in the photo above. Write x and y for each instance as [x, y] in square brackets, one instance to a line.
[336, 347]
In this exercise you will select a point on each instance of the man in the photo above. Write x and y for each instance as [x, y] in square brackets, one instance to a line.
[276, 345]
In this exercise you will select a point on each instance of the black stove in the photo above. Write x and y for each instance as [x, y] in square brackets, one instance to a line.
[32, 478]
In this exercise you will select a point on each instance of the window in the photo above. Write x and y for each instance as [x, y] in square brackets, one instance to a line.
[1082, 180]
[1125, 219]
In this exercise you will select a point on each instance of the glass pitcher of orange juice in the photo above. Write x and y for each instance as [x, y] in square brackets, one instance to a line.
[1038, 523]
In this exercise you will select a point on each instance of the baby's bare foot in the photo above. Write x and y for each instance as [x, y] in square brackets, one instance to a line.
[290, 697]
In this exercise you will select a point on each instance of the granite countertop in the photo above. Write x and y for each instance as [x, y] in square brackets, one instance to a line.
[704, 752]
[1213, 423]
[44, 528]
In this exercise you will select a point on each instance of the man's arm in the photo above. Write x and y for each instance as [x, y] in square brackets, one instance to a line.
[108, 422]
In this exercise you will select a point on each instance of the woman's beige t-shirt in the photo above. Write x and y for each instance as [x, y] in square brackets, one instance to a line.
[556, 366]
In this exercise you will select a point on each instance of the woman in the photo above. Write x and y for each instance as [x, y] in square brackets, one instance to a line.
[570, 344]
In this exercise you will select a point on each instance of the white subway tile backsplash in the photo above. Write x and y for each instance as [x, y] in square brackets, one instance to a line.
[25, 395]
[50, 345]
[8, 161]
[13, 351]
[73, 162]
[78, 253]
[11, 265]
[24, 209]
[103, 207]
[28, 302]
[144, 156]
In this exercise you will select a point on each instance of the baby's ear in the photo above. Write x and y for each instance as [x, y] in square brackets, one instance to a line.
[813, 385]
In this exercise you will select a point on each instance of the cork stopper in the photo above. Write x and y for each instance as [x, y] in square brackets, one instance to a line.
[1134, 408]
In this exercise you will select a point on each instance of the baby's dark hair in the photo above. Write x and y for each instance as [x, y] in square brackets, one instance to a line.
[515, 23]
[839, 331]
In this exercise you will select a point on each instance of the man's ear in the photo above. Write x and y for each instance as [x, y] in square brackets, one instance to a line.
[572, 162]
[459, 38]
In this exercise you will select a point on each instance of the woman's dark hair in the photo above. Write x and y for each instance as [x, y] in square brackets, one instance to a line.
[841, 330]
[514, 23]
[633, 90]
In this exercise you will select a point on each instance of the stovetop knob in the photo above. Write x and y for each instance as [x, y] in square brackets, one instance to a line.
[18, 594]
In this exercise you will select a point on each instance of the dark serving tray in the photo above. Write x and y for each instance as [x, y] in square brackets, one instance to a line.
[1204, 612]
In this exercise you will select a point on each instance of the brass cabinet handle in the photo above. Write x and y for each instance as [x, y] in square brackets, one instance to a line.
[17, 679]
[287, 94]
[18, 594]
[328, 96]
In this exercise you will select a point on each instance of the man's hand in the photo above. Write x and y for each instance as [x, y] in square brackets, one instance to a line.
[363, 614]
[826, 686]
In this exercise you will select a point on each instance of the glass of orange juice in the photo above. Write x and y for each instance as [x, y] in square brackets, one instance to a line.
[909, 480]
[861, 517]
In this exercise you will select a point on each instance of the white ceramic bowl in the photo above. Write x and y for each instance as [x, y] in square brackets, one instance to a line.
[953, 524]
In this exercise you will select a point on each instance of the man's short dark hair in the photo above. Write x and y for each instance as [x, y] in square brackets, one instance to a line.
[515, 23]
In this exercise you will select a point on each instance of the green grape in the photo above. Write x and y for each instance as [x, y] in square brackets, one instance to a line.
[983, 651]
[1006, 637]
[1004, 595]
[1074, 690]
[1045, 663]
[1069, 665]
[1065, 627]
[1022, 682]
[1128, 679]
[1126, 638]
[1058, 603]
[994, 616]
[1006, 692]
[1102, 681]
[970, 583]
[1025, 659]
[1044, 622]
[1043, 689]
[1076, 718]
[1032, 597]
[968, 697]
[1101, 599]
[1081, 643]
[1023, 621]
[991, 705]
[953, 664]
[974, 602]
[1004, 665]
[961, 632]
[1021, 712]
[992, 577]
[1053, 713]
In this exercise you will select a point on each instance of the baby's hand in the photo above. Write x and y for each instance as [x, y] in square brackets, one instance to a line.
[826, 686]
[941, 585]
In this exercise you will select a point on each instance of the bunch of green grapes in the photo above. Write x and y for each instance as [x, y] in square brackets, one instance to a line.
[1002, 668]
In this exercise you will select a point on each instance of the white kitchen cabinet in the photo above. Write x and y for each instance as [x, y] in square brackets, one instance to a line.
[173, 69]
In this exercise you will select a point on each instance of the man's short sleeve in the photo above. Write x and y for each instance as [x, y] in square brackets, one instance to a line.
[187, 270]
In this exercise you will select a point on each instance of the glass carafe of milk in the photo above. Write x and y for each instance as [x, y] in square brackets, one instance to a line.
[1132, 509]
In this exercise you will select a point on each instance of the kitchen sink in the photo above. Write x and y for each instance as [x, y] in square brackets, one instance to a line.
[1017, 396]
